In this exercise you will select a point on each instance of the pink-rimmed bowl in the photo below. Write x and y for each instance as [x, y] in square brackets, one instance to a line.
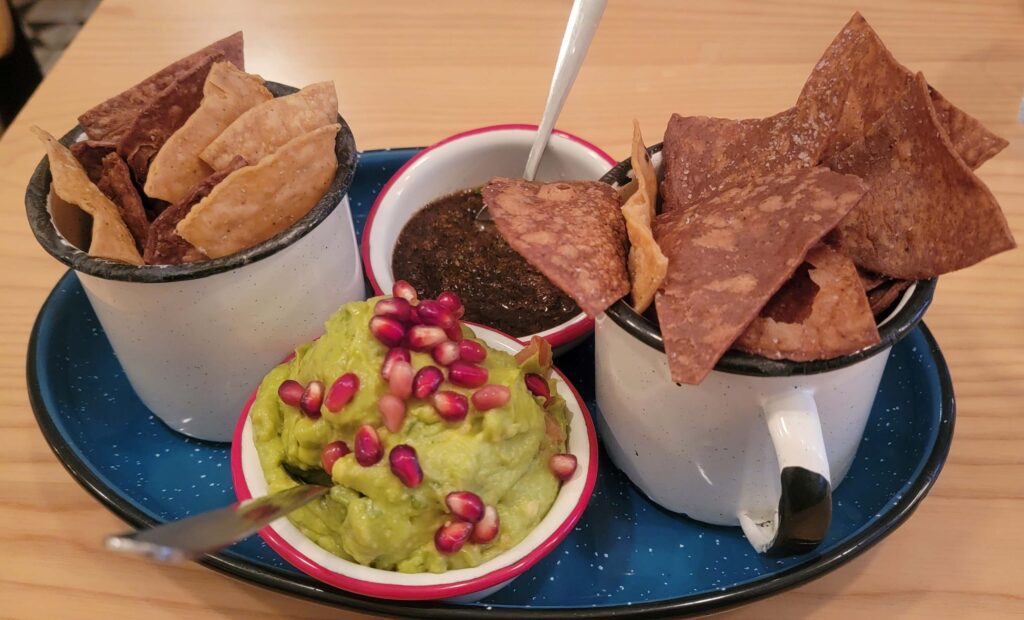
[461, 585]
[470, 159]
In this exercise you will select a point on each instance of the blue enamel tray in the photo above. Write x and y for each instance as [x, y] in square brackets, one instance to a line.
[626, 557]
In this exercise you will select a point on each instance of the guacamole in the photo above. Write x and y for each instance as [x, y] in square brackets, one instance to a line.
[370, 516]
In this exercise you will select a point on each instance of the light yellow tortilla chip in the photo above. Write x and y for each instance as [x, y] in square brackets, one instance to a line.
[110, 236]
[255, 203]
[261, 130]
[177, 168]
[647, 264]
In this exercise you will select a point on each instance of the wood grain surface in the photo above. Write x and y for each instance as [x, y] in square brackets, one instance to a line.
[410, 73]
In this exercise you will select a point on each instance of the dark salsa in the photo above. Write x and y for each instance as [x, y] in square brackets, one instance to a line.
[443, 247]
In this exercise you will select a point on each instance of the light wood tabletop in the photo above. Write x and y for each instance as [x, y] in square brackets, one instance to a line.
[410, 73]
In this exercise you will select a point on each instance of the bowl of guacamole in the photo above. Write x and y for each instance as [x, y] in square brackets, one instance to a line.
[456, 456]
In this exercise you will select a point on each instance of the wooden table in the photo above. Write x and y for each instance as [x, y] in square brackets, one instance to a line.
[411, 73]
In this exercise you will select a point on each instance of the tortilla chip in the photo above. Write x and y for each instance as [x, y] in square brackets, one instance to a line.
[927, 213]
[90, 154]
[116, 184]
[870, 279]
[572, 232]
[728, 255]
[111, 119]
[820, 313]
[703, 156]
[857, 80]
[110, 236]
[166, 246]
[647, 265]
[259, 131]
[177, 168]
[163, 116]
[256, 202]
[883, 296]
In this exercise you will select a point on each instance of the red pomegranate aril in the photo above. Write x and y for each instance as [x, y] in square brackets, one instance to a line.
[368, 449]
[405, 291]
[341, 392]
[388, 330]
[450, 300]
[491, 397]
[392, 409]
[454, 333]
[464, 374]
[433, 313]
[414, 316]
[465, 505]
[427, 380]
[290, 392]
[538, 386]
[563, 466]
[451, 406]
[405, 465]
[446, 353]
[400, 379]
[394, 308]
[472, 351]
[396, 354]
[487, 527]
[450, 537]
[311, 399]
[425, 337]
[331, 453]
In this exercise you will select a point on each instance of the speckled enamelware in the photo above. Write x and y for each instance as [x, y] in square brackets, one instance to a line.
[626, 558]
[194, 337]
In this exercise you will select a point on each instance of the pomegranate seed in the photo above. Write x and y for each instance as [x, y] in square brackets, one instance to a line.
[331, 453]
[491, 397]
[400, 379]
[468, 375]
[538, 386]
[487, 527]
[392, 409]
[454, 333]
[368, 449]
[405, 291]
[465, 505]
[425, 337]
[450, 537]
[450, 300]
[414, 316]
[426, 381]
[433, 313]
[563, 465]
[342, 391]
[395, 308]
[387, 330]
[406, 465]
[290, 392]
[446, 353]
[311, 399]
[451, 406]
[472, 351]
[397, 354]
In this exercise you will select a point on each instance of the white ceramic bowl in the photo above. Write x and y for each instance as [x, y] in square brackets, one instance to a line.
[461, 585]
[470, 159]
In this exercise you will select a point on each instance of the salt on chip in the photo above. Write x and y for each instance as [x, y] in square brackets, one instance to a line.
[256, 202]
[820, 313]
[177, 168]
[259, 131]
[730, 254]
[858, 79]
[647, 265]
[111, 119]
[927, 213]
[110, 236]
[570, 231]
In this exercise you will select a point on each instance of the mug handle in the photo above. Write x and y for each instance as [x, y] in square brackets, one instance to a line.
[804, 511]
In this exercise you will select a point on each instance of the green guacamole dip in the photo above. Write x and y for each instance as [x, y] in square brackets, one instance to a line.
[369, 516]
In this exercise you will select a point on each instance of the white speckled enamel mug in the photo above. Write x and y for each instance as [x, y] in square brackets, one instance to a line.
[194, 338]
[759, 443]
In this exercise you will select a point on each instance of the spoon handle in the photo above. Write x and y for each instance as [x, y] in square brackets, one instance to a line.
[583, 21]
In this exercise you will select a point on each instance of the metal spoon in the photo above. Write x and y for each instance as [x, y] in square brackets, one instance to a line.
[194, 537]
[579, 32]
